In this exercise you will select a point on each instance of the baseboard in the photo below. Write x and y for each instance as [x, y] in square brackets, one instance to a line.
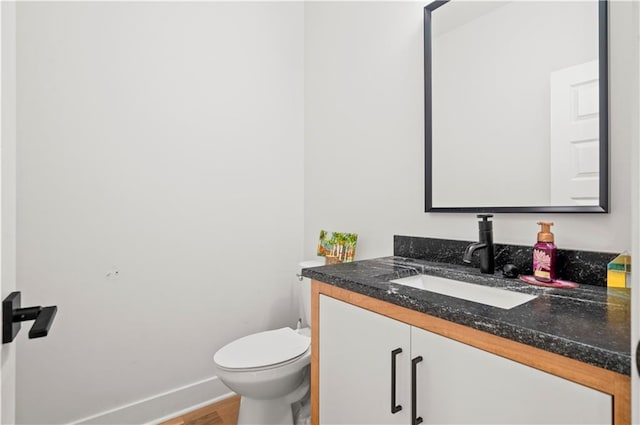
[163, 406]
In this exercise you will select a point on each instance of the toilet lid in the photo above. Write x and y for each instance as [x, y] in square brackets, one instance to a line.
[262, 349]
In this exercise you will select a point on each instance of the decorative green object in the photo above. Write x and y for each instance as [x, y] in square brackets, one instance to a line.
[341, 246]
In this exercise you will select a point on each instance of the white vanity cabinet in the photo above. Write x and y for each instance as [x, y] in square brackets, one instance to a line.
[357, 350]
[460, 384]
[360, 351]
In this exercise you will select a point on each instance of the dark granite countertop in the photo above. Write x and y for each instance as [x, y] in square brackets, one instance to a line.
[588, 323]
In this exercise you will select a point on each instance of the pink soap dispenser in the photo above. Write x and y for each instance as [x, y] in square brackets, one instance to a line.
[544, 254]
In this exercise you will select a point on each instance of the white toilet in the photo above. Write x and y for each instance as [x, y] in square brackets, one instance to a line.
[270, 369]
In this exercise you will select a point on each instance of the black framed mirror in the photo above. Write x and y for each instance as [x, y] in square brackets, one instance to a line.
[516, 106]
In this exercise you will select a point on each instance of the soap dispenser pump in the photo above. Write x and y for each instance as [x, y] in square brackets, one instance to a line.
[544, 254]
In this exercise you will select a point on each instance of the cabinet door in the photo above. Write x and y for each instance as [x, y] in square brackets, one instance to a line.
[356, 351]
[457, 383]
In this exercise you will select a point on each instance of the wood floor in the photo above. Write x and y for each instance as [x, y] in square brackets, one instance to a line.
[224, 412]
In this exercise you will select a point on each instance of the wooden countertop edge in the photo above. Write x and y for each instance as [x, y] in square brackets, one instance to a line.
[606, 381]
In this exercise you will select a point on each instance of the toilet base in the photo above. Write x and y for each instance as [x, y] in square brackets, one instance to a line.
[274, 411]
[277, 412]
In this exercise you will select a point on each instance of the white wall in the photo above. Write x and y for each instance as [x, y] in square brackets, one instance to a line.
[164, 141]
[364, 135]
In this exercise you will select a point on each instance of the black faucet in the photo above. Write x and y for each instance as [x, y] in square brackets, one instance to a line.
[484, 246]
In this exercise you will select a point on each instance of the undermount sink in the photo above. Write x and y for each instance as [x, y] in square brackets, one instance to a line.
[488, 295]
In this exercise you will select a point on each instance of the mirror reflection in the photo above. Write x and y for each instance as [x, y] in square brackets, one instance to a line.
[515, 96]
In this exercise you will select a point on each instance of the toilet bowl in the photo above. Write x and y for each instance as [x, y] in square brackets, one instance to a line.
[270, 369]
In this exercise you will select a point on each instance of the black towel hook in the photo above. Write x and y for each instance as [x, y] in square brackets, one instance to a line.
[13, 314]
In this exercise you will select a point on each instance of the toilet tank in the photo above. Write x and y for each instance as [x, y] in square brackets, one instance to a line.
[305, 291]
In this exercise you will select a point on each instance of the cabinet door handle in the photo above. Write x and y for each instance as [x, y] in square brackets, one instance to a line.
[394, 408]
[415, 420]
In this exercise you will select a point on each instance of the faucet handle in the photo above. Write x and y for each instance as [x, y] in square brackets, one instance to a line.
[485, 225]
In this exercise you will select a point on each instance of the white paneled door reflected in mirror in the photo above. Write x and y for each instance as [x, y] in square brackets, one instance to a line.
[516, 116]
